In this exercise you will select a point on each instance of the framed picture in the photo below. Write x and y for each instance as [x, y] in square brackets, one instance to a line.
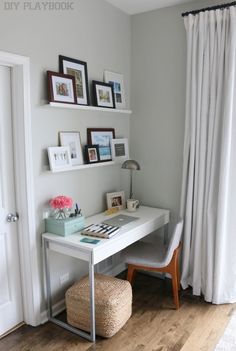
[61, 88]
[101, 137]
[117, 81]
[119, 149]
[59, 157]
[116, 200]
[72, 139]
[103, 94]
[77, 69]
[92, 153]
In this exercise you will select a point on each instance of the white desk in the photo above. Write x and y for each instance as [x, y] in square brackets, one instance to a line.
[150, 219]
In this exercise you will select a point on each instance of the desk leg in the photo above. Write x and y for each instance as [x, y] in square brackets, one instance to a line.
[92, 301]
[89, 336]
[47, 275]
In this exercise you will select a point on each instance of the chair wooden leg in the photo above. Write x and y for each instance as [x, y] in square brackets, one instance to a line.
[131, 274]
[175, 286]
[178, 276]
[178, 280]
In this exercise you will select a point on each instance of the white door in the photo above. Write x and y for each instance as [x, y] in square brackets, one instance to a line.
[11, 312]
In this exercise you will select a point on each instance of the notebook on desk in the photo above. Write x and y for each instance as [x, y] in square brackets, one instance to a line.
[120, 220]
[101, 230]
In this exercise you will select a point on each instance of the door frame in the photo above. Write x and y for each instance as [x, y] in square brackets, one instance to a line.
[23, 163]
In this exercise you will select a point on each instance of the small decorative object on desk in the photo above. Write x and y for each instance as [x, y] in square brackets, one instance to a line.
[61, 205]
[63, 221]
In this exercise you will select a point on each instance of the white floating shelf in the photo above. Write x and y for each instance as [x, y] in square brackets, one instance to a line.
[87, 108]
[85, 166]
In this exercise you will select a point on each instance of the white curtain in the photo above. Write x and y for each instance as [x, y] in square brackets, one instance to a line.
[208, 201]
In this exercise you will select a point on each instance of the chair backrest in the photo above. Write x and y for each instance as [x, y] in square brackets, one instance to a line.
[174, 241]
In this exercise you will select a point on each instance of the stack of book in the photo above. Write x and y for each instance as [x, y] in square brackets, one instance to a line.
[100, 230]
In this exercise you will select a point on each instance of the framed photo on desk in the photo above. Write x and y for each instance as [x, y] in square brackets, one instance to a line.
[116, 200]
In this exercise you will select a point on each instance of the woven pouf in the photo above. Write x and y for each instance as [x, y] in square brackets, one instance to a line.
[113, 304]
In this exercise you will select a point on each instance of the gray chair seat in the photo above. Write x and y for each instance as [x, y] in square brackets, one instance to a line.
[146, 254]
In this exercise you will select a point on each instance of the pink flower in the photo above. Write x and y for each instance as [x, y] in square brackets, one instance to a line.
[61, 202]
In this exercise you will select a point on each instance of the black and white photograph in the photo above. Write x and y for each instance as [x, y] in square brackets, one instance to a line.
[120, 150]
[59, 158]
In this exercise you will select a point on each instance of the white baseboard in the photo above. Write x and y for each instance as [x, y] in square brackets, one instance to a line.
[57, 308]
[114, 270]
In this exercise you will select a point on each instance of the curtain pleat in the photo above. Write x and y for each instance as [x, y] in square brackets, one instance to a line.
[209, 184]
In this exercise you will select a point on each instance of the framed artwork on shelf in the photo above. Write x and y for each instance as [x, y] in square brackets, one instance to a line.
[116, 200]
[61, 88]
[119, 149]
[103, 94]
[92, 153]
[77, 69]
[101, 137]
[117, 82]
[59, 157]
[72, 139]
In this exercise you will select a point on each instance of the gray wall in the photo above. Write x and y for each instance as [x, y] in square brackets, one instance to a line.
[94, 32]
[158, 101]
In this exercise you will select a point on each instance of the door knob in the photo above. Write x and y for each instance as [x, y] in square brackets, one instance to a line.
[12, 217]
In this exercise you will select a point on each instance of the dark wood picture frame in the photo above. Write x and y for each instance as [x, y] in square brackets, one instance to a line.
[98, 95]
[63, 92]
[91, 153]
[78, 69]
[102, 138]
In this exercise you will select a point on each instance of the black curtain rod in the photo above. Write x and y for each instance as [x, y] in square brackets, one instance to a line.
[217, 7]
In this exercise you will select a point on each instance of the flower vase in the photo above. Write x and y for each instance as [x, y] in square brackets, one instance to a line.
[61, 213]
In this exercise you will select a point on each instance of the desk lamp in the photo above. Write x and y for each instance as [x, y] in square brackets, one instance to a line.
[132, 165]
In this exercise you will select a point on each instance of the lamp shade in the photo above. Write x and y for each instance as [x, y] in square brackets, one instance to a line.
[131, 164]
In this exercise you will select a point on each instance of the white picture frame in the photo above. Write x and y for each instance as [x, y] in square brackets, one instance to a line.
[59, 157]
[120, 150]
[117, 81]
[116, 200]
[73, 140]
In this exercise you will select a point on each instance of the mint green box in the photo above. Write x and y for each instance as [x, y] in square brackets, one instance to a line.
[64, 227]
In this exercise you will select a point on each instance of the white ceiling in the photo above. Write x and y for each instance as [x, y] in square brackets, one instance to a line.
[137, 6]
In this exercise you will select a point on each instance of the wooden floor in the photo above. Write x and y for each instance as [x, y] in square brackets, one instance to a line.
[154, 325]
